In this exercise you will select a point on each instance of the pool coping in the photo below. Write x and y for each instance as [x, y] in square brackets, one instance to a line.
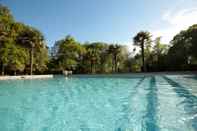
[20, 77]
[136, 74]
[26, 77]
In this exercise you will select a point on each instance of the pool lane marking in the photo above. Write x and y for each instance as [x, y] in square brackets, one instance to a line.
[150, 117]
[190, 101]
[139, 82]
[192, 77]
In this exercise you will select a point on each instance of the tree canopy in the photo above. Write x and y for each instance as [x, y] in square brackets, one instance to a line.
[182, 52]
[143, 40]
[17, 40]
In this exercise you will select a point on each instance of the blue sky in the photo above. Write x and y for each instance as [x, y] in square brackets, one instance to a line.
[114, 21]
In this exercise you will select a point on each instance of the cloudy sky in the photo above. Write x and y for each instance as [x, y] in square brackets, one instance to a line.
[179, 17]
[114, 21]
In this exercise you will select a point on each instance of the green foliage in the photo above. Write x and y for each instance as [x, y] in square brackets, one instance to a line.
[69, 52]
[143, 40]
[5, 51]
[5, 13]
[97, 57]
[183, 49]
[17, 41]
[18, 57]
[41, 59]
[33, 40]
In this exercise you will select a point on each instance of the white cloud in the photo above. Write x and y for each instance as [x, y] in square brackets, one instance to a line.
[182, 18]
[130, 46]
[177, 21]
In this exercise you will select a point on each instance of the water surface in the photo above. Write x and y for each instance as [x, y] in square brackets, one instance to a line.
[121, 103]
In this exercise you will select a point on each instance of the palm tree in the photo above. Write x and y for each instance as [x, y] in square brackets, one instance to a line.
[93, 56]
[141, 39]
[114, 50]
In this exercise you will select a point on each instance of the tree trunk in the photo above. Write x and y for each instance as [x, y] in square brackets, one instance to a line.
[2, 73]
[158, 62]
[112, 69]
[91, 66]
[115, 63]
[143, 61]
[31, 61]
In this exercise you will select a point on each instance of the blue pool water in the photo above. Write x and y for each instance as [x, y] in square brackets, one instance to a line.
[87, 103]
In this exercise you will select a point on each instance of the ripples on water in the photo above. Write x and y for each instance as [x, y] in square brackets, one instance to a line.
[151, 103]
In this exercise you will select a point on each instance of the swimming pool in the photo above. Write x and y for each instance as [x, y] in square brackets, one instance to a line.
[97, 103]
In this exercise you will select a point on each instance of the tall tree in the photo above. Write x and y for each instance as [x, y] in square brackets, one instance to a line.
[159, 50]
[4, 52]
[191, 40]
[182, 52]
[115, 51]
[69, 53]
[33, 40]
[142, 39]
[5, 19]
[17, 58]
[105, 59]
[12, 56]
[93, 55]
[16, 39]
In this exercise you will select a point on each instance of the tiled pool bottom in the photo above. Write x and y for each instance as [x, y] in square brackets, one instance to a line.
[121, 103]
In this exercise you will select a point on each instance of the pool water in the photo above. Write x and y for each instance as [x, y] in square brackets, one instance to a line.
[87, 103]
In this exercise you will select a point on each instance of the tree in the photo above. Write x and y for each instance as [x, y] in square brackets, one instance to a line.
[159, 52]
[32, 39]
[17, 58]
[182, 52]
[41, 58]
[105, 59]
[179, 51]
[5, 23]
[191, 40]
[69, 53]
[12, 56]
[142, 39]
[93, 55]
[5, 13]
[16, 40]
[115, 51]
[4, 51]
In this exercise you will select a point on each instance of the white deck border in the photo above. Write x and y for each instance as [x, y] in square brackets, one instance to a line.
[26, 77]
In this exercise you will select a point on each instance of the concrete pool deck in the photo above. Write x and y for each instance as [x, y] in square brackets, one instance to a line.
[185, 73]
[26, 77]
[20, 77]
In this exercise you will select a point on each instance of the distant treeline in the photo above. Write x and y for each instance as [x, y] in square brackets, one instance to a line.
[23, 50]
